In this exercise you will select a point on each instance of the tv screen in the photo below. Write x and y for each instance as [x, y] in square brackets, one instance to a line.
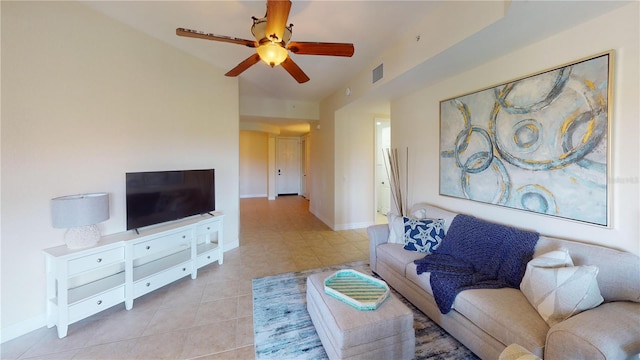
[160, 196]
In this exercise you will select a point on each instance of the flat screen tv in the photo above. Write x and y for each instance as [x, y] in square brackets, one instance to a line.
[160, 196]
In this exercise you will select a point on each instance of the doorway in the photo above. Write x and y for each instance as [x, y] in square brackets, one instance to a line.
[288, 166]
[304, 183]
[382, 185]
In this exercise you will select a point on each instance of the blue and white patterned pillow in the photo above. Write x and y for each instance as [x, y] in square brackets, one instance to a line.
[423, 235]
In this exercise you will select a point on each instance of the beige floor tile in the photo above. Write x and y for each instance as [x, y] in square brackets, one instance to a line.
[172, 318]
[65, 355]
[210, 339]
[124, 325]
[110, 351]
[152, 300]
[244, 287]
[245, 353]
[13, 349]
[77, 337]
[224, 355]
[244, 331]
[245, 305]
[216, 290]
[216, 311]
[184, 292]
[161, 346]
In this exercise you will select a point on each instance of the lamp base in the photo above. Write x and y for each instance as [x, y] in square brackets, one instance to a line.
[82, 236]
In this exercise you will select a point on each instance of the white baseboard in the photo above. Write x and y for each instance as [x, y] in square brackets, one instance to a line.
[23, 327]
[352, 226]
[228, 245]
[245, 196]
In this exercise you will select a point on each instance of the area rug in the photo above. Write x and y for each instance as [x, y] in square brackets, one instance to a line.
[283, 328]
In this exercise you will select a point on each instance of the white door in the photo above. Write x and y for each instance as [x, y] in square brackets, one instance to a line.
[304, 183]
[288, 166]
[383, 189]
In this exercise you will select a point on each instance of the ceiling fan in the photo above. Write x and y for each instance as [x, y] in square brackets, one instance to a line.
[272, 44]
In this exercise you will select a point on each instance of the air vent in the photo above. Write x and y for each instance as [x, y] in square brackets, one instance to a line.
[377, 73]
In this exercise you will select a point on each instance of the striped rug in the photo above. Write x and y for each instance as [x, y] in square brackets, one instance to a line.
[283, 328]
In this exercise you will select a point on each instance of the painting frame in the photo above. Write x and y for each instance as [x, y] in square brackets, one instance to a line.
[539, 143]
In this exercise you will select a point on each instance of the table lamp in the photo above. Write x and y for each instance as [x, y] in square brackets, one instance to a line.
[79, 214]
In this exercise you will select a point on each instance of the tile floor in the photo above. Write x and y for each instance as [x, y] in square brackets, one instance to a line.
[210, 317]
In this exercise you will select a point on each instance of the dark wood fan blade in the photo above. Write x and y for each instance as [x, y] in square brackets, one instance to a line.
[321, 48]
[295, 71]
[277, 15]
[247, 63]
[201, 35]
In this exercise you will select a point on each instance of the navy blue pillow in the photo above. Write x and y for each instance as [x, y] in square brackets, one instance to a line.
[423, 235]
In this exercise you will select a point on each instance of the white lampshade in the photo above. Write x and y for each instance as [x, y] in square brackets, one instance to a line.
[79, 210]
[79, 214]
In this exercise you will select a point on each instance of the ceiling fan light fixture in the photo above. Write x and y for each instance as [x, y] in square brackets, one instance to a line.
[272, 44]
[272, 53]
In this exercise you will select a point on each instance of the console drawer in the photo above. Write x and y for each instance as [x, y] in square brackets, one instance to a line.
[162, 243]
[207, 258]
[95, 304]
[208, 228]
[94, 261]
[161, 279]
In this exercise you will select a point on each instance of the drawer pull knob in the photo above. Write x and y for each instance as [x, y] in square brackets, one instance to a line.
[208, 256]
[99, 302]
[99, 260]
[148, 247]
[184, 269]
[184, 236]
[148, 284]
[208, 228]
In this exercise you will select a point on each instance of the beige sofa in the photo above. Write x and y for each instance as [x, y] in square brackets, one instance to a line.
[488, 320]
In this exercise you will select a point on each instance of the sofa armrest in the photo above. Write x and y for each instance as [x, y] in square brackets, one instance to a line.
[378, 234]
[609, 331]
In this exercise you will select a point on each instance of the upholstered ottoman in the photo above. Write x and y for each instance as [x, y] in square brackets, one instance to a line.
[348, 333]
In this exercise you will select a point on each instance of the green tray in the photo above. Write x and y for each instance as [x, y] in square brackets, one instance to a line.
[361, 291]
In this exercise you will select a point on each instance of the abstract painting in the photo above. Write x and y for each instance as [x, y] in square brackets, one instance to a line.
[538, 143]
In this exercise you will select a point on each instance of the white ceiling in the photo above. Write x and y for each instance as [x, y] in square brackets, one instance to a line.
[371, 25]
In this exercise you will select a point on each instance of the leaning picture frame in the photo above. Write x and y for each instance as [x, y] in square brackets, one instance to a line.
[539, 143]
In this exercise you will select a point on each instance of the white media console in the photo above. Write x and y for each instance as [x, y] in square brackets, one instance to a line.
[125, 266]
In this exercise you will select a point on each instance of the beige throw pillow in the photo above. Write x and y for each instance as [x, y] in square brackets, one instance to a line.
[559, 290]
[396, 228]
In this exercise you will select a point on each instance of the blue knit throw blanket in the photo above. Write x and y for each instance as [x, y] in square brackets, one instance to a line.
[476, 254]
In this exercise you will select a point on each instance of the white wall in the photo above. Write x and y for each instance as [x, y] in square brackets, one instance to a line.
[84, 100]
[278, 108]
[354, 169]
[254, 162]
[415, 125]
[449, 24]
[322, 168]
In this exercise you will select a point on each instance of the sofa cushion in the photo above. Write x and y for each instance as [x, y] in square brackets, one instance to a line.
[558, 290]
[395, 257]
[477, 254]
[423, 280]
[506, 315]
[517, 352]
[618, 273]
[423, 235]
[609, 331]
